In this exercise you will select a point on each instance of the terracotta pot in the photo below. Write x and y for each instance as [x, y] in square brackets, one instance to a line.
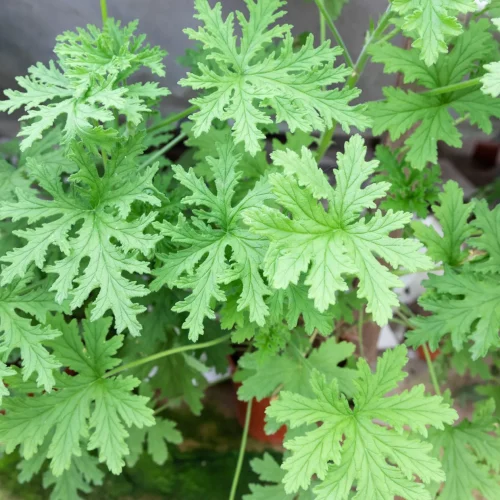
[257, 417]
[434, 354]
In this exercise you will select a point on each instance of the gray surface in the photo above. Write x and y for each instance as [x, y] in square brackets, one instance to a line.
[28, 29]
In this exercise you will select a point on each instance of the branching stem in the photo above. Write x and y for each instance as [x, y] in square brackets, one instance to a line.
[335, 32]
[430, 367]
[358, 68]
[174, 118]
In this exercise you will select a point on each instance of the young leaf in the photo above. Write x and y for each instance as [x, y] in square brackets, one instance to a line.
[411, 190]
[23, 311]
[85, 407]
[463, 305]
[212, 230]
[401, 110]
[382, 462]
[337, 241]
[85, 85]
[98, 208]
[470, 451]
[453, 214]
[431, 23]
[247, 79]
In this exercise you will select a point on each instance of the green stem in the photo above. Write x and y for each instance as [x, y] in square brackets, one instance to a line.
[173, 118]
[430, 367]
[163, 354]
[164, 149]
[326, 138]
[104, 12]
[360, 332]
[335, 32]
[241, 455]
[322, 27]
[473, 82]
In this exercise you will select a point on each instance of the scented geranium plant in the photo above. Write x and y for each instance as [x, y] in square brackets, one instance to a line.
[124, 277]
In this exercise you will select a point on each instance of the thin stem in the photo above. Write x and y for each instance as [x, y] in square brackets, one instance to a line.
[360, 332]
[174, 118]
[473, 82]
[326, 138]
[241, 455]
[104, 11]
[164, 149]
[322, 27]
[430, 367]
[169, 352]
[335, 32]
[462, 119]
[161, 408]
[390, 35]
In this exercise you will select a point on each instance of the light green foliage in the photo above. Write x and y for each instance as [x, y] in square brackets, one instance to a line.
[431, 23]
[98, 207]
[377, 459]
[488, 222]
[155, 438]
[453, 214]
[270, 472]
[290, 82]
[464, 305]
[402, 110]
[293, 304]
[85, 407]
[337, 240]
[284, 254]
[470, 454]
[491, 80]
[23, 311]
[411, 190]
[85, 85]
[213, 229]
[292, 370]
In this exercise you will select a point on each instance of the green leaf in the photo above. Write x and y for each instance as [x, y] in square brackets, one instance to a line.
[432, 114]
[82, 474]
[23, 311]
[453, 214]
[247, 79]
[382, 462]
[491, 80]
[336, 241]
[411, 190]
[91, 224]
[463, 305]
[86, 85]
[212, 230]
[292, 370]
[5, 371]
[431, 23]
[270, 472]
[294, 304]
[470, 452]
[156, 438]
[487, 221]
[86, 407]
